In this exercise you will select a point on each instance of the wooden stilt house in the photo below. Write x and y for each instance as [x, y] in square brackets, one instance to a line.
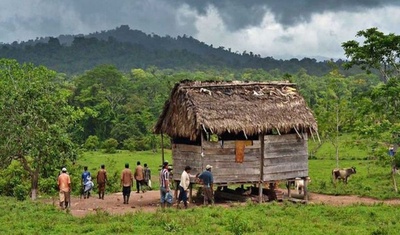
[250, 132]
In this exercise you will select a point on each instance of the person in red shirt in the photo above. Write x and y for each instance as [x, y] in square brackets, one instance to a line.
[64, 185]
[101, 181]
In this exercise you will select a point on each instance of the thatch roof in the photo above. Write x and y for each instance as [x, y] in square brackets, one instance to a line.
[234, 107]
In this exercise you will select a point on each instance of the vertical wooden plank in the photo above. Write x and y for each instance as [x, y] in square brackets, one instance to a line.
[190, 192]
[162, 149]
[305, 188]
[202, 151]
[261, 183]
[176, 190]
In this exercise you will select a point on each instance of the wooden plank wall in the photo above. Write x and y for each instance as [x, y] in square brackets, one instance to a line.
[186, 155]
[286, 157]
[221, 155]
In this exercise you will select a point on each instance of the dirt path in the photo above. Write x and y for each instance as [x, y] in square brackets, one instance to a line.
[149, 202]
[347, 200]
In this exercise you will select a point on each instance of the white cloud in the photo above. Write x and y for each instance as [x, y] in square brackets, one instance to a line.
[321, 36]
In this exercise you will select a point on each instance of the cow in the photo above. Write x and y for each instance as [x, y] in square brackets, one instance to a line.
[299, 184]
[343, 174]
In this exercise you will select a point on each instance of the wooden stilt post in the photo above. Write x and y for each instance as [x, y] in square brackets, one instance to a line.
[305, 191]
[261, 183]
[162, 149]
[190, 192]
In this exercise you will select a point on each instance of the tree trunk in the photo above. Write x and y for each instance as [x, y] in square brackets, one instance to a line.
[34, 184]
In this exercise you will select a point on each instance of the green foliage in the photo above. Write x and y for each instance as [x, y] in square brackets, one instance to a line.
[35, 118]
[14, 181]
[130, 144]
[92, 143]
[110, 145]
[378, 51]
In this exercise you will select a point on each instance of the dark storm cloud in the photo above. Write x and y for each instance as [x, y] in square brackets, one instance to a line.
[238, 14]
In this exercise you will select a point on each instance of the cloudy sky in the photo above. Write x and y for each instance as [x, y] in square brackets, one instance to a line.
[278, 28]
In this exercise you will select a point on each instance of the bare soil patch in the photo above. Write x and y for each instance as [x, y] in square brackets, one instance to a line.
[150, 202]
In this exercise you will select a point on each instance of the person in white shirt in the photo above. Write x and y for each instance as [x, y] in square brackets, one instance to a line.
[184, 186]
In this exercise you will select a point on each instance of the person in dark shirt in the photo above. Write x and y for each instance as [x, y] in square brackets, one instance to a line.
[207, 180]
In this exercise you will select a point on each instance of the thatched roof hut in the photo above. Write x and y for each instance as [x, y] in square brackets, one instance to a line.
[234, 107]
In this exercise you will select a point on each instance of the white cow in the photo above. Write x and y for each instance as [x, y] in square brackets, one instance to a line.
[299, 184]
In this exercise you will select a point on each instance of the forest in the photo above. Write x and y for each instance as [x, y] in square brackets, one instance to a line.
[59, 99]
[126, 49]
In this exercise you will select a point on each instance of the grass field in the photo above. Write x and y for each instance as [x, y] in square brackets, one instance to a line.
[270, 218]
[115, 163]
[372, 179]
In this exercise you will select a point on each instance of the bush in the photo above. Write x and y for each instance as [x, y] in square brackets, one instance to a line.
[20, 192]
[92, 143]
[110, 145]
[129, 144]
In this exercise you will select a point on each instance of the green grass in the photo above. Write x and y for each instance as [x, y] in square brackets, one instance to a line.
[269, 218]
[372, 179]
[115, 163]
[348, 149]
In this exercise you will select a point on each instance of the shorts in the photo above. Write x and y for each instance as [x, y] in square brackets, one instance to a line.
[126, 191]
[64, 196]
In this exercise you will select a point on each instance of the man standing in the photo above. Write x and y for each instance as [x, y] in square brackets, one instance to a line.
[84, 180]
[101, 181]
[64, 185]
[139, 177]
[207, 180]
[126, 183]
[147, 176]
[184, 186]
[164, 184]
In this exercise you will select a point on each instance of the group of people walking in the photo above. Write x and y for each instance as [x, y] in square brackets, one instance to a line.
[142, 176]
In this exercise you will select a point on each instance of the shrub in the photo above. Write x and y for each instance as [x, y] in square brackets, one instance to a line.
[92, 143]
[129, 144]
[110, 145]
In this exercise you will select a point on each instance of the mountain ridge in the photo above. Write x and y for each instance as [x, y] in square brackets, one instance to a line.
[130, 48]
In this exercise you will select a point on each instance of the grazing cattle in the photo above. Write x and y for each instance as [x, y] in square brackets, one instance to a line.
[343, 174]
[299, 184]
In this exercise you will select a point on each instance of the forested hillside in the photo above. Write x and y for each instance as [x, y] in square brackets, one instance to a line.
[126, 48]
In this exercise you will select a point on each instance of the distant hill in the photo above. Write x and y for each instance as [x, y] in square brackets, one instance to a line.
[127, 49]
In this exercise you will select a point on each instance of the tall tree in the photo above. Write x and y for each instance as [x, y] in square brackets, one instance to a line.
[378, 51]
[35, 119]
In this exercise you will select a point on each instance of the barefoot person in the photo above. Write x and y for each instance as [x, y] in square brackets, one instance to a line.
[101, 181]
[64, 185]
[126, 183]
